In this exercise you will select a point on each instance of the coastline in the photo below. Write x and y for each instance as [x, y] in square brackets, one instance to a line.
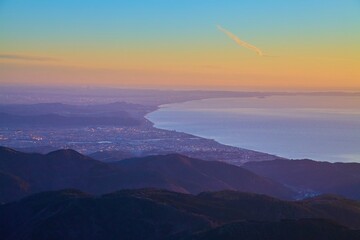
[245, 154]
[146, 138]
[183, 117]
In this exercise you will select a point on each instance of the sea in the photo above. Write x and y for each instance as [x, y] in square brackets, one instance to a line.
[323, 128]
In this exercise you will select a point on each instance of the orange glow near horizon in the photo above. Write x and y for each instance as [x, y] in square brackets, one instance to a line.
[310, 52]
[259, 74]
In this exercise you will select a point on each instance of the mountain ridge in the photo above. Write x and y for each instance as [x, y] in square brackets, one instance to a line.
[311, 176]
[70, 169]
[162, 214]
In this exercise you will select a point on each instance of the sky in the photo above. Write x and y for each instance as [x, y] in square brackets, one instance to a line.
[238, 45]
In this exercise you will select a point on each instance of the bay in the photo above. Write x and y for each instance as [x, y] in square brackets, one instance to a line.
[325, 128]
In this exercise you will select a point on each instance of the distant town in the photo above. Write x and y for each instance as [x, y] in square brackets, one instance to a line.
[117, 130]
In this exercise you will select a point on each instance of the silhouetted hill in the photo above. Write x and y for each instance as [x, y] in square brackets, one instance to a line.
[193, 175]
[309, 229]
[337, 208]
[59, 169]
[160, 214]
[307, 176]
[71, 214]
[70, 169]
[12, 187]
[228, 206]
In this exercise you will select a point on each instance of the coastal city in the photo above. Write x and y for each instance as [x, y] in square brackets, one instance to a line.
[134, 141]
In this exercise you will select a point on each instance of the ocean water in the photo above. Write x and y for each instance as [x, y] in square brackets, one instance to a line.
[316, 127]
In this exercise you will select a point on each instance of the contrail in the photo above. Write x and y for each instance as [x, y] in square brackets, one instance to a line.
[240, 42]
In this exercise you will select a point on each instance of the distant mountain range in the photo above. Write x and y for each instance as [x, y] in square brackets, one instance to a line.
[159, 214]
[67, 109]
[64, 115]
[26, 173]
[312, 177]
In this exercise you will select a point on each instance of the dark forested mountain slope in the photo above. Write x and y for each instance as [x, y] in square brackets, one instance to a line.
[160, 214]
[32, 172]
[194, 175]
[312, 177]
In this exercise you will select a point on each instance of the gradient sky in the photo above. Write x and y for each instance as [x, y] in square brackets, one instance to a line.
[309, 44]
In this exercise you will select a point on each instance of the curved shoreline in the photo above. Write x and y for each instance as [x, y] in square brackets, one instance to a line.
[182, 116]
[203, 137]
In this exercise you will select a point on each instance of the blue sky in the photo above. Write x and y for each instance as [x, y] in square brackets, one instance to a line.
[139, 30]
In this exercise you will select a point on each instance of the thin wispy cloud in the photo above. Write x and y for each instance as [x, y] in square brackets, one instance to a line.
[26, 57]
[240, 42]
